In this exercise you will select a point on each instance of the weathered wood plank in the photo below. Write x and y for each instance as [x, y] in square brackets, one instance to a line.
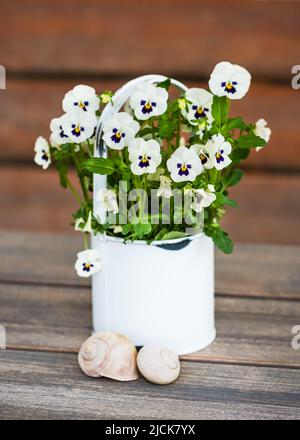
[249, 331]
[263, 270]
[51, 385]
[269, 208]
[22, 123]
[114, 36]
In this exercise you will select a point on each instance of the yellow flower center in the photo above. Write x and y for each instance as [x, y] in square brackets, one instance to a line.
[218, 155]
[77, 129]
[199, 110]
[183, 167]
[229, 86]
[148, 105]
[118, 135]
[202, 156]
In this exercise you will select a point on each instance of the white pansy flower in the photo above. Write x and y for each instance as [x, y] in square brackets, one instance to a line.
[203, 198]
[262, 131]
[184, 164]
[119, 130]
[144, 155]
[81, 97]
[79, 126]
[42, 153]
[88, 262]
[199, 106]
[229, 80]
[164, 189]
[149, 100]
[218, 150]
[81, 225]
[203, 154]
[58, 136]
[106, 202]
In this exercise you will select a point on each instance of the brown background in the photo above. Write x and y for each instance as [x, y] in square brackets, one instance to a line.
[47, 47]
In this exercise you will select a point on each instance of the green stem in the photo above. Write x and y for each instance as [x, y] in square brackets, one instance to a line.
[81, 178]
[178, 130]
[90, 149]
[85, 240]
[73, 191]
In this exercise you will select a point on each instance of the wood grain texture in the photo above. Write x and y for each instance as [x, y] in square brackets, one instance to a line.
[249, 331]
[25, 116]
[113, 36]
[269, 206]
[48, 386]
[253, 270]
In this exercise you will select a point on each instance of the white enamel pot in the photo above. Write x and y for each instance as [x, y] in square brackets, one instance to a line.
[160, 294]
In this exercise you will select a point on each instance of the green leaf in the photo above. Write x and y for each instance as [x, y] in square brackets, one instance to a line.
[173, 234]
[160, 234]
[145, 131]
[222, 240]
[250, 141]
[220, 108]
[166, 128]
[126, 229]
[142, 229]
[99, 165]
[221, 199]
[239, 154]
[233, 178]
[164, 84]
[236, 123]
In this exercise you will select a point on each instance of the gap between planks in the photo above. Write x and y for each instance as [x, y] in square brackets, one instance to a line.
[183, 358]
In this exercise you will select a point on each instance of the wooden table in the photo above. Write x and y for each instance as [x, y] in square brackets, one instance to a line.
[249, 372]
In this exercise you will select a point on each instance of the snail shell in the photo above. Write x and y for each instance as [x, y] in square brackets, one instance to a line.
[110, 355]
[158, 365]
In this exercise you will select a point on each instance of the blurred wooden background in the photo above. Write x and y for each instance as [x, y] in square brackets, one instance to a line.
[48, 46]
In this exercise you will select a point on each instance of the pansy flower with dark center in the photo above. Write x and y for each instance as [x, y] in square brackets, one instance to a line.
[219, 151]
[144, 155]
[120, 130]
[199, 102]
[58, 135]
[81, 97]
[144, 160]
[42, 153]
[77, 130]
[88, 262]
[79, 126]
[148, 100]
[229, 80]
[200, 112]
[229, 87]
[184, 164]
[203, 154]
[147, 107]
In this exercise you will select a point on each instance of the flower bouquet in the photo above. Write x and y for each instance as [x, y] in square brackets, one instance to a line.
[154, 169]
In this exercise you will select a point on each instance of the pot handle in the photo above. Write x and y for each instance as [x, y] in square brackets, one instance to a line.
[118, 100]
